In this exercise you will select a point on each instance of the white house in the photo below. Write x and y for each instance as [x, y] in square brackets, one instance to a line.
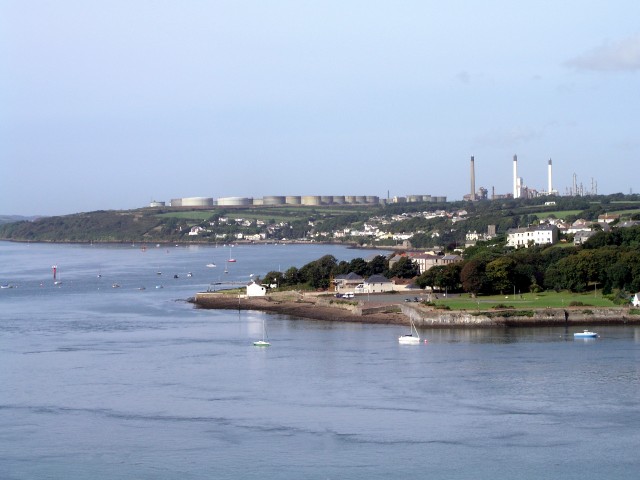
[256, 290]
[523, 237]
[377, 284]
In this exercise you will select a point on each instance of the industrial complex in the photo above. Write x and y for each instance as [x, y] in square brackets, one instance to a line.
[519, 190]
[310, 200]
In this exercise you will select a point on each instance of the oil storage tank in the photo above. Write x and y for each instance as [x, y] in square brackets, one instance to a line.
[338, 199]
[197, 202]
[326, 199]
[293, 200]
[311, 200]
[235, 201]
[372, 199]
[273, 200]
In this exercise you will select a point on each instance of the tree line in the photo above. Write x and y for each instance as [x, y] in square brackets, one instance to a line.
[609, 261]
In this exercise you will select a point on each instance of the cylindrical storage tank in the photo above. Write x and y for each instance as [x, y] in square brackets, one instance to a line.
[235, 202]
[338, 199]
[373, 199]
[414, 198]
[361, 199]
[441, 199]
[350, 199]
[293, 200]
[273, 200]
[258, 201]
[426, 198]
[197, 202]
[311, 200]
[176, 202]
[326, 199]
[156, 204]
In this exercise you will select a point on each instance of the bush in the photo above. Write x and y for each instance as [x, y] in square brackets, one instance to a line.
[576, 303]
[500, 306]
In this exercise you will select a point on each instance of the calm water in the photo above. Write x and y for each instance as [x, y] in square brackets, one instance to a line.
[120, 383]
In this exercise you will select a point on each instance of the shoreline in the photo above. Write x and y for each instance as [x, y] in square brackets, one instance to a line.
[313, 307]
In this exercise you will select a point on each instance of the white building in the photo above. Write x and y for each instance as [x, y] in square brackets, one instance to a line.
[256, 290]
[377, 284]
[540, 235]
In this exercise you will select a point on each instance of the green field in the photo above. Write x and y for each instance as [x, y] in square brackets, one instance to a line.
[557, 213]
[525, 301]
[277, 213]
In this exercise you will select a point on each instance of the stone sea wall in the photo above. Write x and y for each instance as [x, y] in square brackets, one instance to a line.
[330, 309]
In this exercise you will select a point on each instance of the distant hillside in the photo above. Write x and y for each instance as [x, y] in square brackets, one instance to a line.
[16, 218]
[426, 224]
[100, 226]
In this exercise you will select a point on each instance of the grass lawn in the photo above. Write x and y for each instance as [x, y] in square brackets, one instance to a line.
[525, 301]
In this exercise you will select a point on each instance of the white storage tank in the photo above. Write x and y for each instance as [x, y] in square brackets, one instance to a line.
[338, 199]
[373, 199]
[350, 199]
[197, 202]
[326, 199]
[273, 200]
[234, 202]
[293, 200]
[311, 200]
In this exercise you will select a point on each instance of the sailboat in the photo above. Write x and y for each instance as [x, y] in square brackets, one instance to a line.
[410, 338]
[263, 342]
[56, 278]
[231, 260]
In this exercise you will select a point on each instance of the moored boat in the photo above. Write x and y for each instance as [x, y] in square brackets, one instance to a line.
[585, 334]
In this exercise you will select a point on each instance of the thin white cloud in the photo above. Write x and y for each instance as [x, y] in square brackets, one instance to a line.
[621, 56]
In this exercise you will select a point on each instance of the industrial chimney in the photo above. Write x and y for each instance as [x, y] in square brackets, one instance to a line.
[473, 180]
[516, 194]
[550, 186]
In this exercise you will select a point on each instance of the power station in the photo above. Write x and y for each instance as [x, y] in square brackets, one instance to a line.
[519, 189]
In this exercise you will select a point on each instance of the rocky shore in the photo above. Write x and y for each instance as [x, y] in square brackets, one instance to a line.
[316, 307]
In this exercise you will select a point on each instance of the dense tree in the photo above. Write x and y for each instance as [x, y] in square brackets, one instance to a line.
[500, 274]
[473, 277]
[404, 268]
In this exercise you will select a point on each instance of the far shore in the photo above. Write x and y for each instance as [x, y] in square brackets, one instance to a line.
[318, 307]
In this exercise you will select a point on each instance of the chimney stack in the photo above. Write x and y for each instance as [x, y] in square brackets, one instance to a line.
[550, 186]
[516, 193]
[473, 180]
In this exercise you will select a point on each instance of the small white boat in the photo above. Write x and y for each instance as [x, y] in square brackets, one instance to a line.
[410, 338]
[115, 285]
[263, 342]
[585, 334]
[211, 265]
[189, 274]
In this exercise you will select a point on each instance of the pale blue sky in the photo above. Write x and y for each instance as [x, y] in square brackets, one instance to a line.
[109, 104]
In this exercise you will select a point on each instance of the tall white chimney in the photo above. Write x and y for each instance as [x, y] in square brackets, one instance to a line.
[473, 180]
[516, 193]
[550, 186]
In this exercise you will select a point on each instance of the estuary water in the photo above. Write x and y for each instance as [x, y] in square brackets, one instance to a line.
[99, 382]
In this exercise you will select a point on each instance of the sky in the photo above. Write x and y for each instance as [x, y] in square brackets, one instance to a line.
[111, 104]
